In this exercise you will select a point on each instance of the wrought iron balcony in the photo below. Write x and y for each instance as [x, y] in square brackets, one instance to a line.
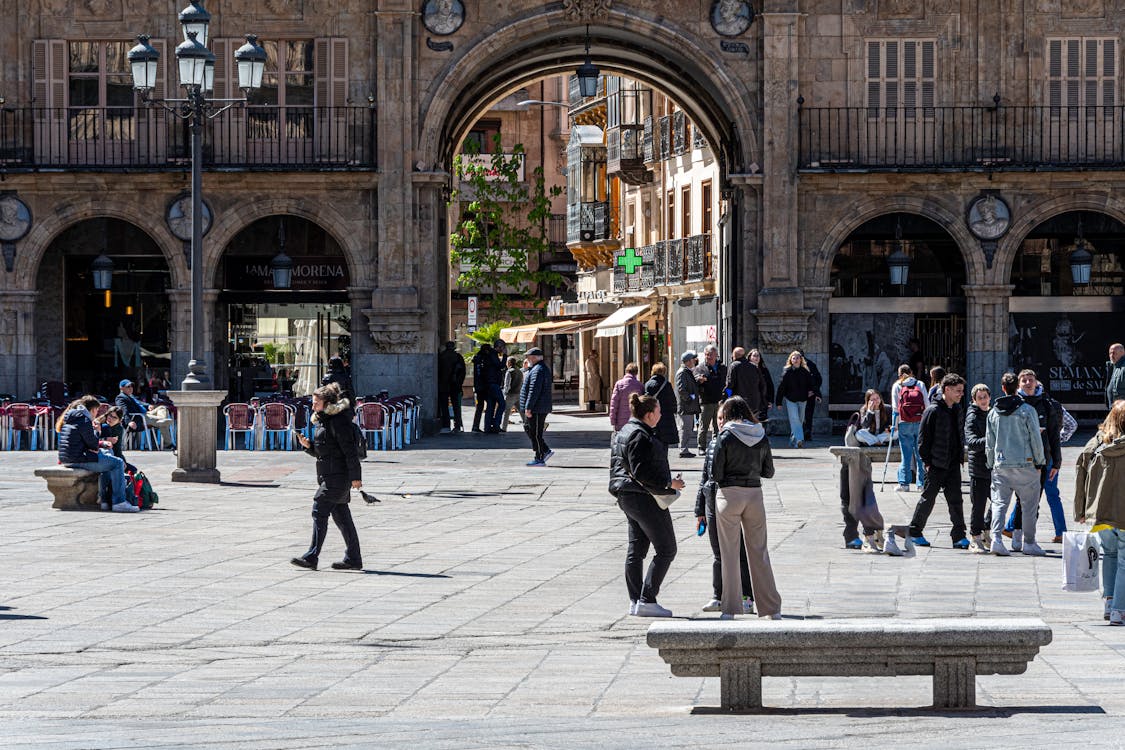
[256, 138]
[625, 154]
[834, 139]
[587, 222]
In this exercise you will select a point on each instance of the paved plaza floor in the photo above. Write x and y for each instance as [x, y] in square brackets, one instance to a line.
[491, 614]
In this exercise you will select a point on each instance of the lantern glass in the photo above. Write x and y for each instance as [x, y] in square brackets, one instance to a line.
[209, 76]
[1081, 264]
[193, 58]
[250, 59]
[898, 263]
[281, 267]
[102, 270]
[587, 79]
[143, 63]
[195, 19]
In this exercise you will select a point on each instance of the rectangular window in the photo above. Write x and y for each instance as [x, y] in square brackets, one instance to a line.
[483, 135]
[685, 211]
[1081, 72]
[901, 78]
[705, 208]
[670, 213]
[99, 91]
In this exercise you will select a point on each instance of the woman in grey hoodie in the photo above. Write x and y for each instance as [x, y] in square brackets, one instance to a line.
[740, 459]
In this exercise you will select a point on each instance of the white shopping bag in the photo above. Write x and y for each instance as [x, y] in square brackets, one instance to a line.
[1080, 561]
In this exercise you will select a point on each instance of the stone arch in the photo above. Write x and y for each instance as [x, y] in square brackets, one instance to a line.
[43, 234]
[647, 48]
[1039, 212]
[229, 223]
[819, 272]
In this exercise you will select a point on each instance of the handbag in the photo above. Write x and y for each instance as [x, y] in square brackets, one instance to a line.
[1080, 561]
[664, 498]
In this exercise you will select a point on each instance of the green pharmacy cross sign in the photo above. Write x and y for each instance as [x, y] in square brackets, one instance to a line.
[630, 260]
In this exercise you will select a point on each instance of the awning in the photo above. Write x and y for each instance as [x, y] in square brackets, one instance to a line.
[526, 334]
[615, 324]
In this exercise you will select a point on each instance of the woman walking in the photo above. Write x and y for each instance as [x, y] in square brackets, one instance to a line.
[663, 391]
[1099, 494]
[623, 389]
[755, 357]
[592, 385]
[740, 460]
[638, 469]
[337, 471]
[793, 392]
[980, 476]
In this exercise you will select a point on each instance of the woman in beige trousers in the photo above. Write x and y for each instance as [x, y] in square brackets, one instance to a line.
[738, 459]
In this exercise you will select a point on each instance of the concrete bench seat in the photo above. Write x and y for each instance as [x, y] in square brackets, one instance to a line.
[876, 453]
[741, 652]
[73, 489]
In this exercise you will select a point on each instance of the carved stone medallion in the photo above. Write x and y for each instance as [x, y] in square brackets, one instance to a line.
[443, 17]
[731, 17]
[15, 218]
[585, 11]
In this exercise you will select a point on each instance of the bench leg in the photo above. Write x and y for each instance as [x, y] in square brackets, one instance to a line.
[740, 685]
[955, 682]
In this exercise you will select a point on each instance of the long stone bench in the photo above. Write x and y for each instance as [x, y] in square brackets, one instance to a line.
[73, 489]
[876, 453]
[741, 652]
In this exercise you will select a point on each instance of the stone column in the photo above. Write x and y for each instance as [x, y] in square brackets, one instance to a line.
[955, 682]
[17, 343]
[740, 684]
[816, 349]
[360, 299]
[196, 425]
[180, 324]
[781, 312]
[986, 319]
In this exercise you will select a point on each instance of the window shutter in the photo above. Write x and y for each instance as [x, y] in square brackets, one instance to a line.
[330, 90]
[48, 62]
[1072, 72]
[1109, 72]
[891, 78]
[224, 67]
[929, 77]
[1054, 74]
[909, 78]
[874, 77]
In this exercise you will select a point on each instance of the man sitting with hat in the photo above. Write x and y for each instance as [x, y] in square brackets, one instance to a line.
[132, 407]
[535, 404]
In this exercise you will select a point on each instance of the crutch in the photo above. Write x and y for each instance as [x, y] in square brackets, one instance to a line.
[887, 458]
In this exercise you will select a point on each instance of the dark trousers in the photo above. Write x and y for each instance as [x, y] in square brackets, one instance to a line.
[342, 515]
[649, 525]
[851, 525]
[980, 495]
[494, 408]
[810, 407]
[947, 481]
[481, 398]
[447, 401]
[717, 565]
[534, 426]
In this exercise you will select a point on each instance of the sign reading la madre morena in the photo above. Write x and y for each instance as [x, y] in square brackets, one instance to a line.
[310, 272]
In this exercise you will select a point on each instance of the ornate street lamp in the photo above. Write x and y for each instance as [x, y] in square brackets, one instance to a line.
[102, 270]
[587, 73]
[898, 262]
[1081, 259]
[195, 19]
[281, 267]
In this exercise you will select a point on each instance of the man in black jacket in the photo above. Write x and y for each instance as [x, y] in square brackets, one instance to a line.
[940, 444]
[712, 379]
[745, 379]
[450, 378]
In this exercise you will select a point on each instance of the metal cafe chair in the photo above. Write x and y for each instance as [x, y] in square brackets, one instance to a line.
[239, 419]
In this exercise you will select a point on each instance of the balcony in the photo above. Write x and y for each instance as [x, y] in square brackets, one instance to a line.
[253, 138]
[1020, 138]
[587, 222]
[625, 154]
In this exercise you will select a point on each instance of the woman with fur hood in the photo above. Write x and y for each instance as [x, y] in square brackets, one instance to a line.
[337, 471]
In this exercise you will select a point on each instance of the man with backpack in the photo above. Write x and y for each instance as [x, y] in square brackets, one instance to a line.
[908, 402]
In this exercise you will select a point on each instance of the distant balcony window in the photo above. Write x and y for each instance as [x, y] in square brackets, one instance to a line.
[99, 92]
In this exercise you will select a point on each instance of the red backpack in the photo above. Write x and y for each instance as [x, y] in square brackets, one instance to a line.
[911, 403]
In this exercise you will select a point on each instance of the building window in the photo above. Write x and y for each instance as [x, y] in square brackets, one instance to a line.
[705, 208]
[900, 78]
[670, 212]
[685, 211]
[482, 136]
[288, 78]
[99, 91]
[1081, 72]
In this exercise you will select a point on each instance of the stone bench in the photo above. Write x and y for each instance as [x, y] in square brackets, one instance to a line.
[740, 653]
[73, 489]
[877, 453]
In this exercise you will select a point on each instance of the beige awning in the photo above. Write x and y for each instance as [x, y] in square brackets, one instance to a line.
[615, 324]
[525, 334]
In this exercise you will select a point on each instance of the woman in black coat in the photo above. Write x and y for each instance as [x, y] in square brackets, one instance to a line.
[336, 449]
[980, 476]
[659, 388]
[793, 393]
[755, 356]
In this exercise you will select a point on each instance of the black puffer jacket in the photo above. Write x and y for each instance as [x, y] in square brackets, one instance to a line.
[78, 443]
[739, 456]
[976, 425]
[639, 461]
[941, 435]
[336, 449]
[665, 393]
[796, 382]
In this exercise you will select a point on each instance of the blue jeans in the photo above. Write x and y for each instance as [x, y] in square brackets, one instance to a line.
[108, 465]
[1113, 565]
[908, 443]
[795, 410]
[1054, 502]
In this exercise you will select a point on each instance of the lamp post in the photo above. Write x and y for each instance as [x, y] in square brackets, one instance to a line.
[196, 72]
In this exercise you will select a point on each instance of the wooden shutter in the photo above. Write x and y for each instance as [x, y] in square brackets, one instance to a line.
[1081, 72]
[153, 123]
[49, 70]
[228, 130]
[330, 92]
[874, 77]
[1109, 72]
[891, 74]
[929, 76]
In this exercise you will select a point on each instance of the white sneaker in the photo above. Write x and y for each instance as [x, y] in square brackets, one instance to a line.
[997, 548]
[1031, 548]
[105, 506]
[125, 508]
[1108, 607]
[890, 546]
[1017, 540]
[715, 606]
[650, 609]
[747, 605]
[978, 545]
[1116, 617]
[632, 606]
[775, 616]
[728, 616]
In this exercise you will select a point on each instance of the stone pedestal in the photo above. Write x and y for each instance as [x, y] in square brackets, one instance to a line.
[195, 421]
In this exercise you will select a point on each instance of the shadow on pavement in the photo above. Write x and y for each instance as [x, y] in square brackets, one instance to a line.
[404, 575]
[997, 712]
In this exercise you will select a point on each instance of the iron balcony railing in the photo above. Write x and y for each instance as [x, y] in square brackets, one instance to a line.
[587, 222]
[254, 137]
[668, 262]
[962, 138]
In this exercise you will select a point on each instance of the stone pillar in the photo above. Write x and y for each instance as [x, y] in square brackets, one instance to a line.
[955, 682]
[17, 343]
[986, 319]
[740, 685]
[360, 299]
[816, 349]
[781, 312]
[180, 324]
[196, 424]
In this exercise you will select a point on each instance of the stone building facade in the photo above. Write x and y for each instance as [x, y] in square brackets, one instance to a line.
[843, 130]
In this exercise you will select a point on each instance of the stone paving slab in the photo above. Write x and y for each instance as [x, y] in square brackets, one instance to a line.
[491, 614]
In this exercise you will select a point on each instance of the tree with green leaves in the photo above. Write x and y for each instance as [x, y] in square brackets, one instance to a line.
[502, 230]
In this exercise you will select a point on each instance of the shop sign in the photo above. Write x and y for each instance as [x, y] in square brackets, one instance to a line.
[310, 272]
[702, 334]
[1067, 352]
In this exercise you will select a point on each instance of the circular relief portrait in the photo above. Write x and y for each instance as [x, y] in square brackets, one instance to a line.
[731, 17]
[989, 217]
[443, 17]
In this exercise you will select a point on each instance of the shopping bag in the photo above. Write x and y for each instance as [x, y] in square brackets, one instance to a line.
[1080, 561]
